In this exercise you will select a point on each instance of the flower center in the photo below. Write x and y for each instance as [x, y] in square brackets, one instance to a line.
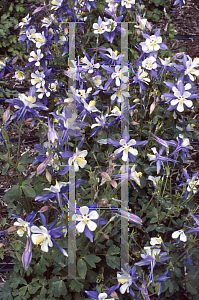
[37, 79]
[85, 220]
[122, 280]
[150, 65]
[80, 160]
[181, 100]
[144, 74]
[31, 99]
[39, 40]
[22, 229]
[153, 43]
[54, 2]
[126, 149]
[40, 239]
[19, 75]
[91, 103]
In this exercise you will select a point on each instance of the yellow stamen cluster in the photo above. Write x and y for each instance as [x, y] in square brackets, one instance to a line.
[122, 280]
[31, 99]
[92, 103]
[40, 40]
[144, 74]
[40, 239]
[80, 160]
[126, 149]
[85, 220]
[153, 43]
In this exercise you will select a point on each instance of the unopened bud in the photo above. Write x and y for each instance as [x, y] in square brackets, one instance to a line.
[45, 208]
[41, 168]
[48, 176]
[12, 229]
[6, 115]
[106, 236]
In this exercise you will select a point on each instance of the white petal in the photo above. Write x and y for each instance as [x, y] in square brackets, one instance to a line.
[176, 234]
[84, 210]
[80, 226]
[123, 288]
[133, 151]
[93, 215]
[125, 155]
[91, 225]
[183, 237]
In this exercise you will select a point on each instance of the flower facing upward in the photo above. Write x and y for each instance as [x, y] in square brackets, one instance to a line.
[85, 218]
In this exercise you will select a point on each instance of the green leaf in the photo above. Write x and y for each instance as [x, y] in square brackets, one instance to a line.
[5, 169]
[76, 285]
[154, 220]
[151, 227]
[113, 261]
[6, 292]
[191, 288]
[33, 288]
[91, 259]
[22, 290]
[29, 191]
[13, 194]
[21, 168]
[113, 250]
[24, 158]
[57, 287]
[81, 268]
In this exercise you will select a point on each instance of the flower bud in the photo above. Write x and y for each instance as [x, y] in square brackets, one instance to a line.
[6, 115]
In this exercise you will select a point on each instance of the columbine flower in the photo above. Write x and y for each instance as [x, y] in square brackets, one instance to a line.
[43, 235]
[95, 295]
[149, 258]
[142, 23]
[88, 219]
[126, 150]
[38, 79]
[180, 235]
[158, 158]
[26, 105]
[180, 2]
[25, 21]
[39, 39]
[120, 94]
[90, 65]
[77, 159]
[100, 27]
[155, 180]
[119, 76]
[126, 278]
[192, 183]
[24, 226]
[181, 98]
[149, 63]
[127, 3]
[19, 75]
[85, 219]
[153, 43]
[36, 56]
[56, 4]
[182, 146]
[156, 241]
